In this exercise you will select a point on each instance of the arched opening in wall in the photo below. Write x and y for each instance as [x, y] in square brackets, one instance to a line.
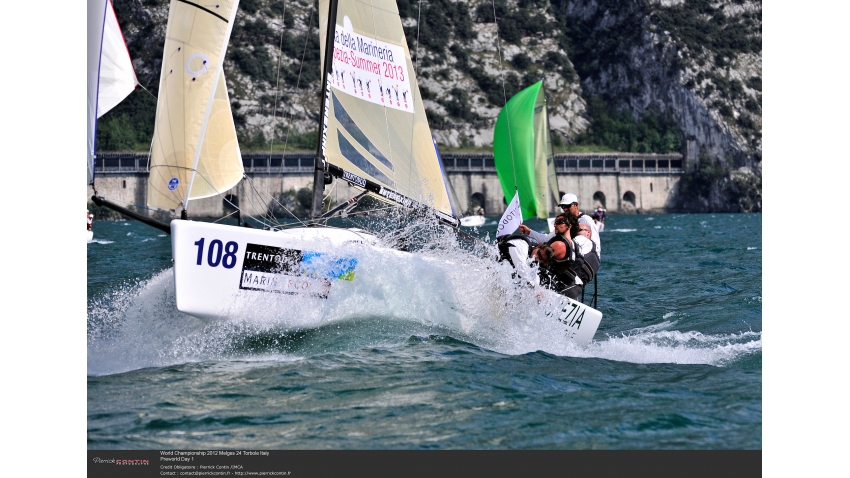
[599, 200]
[230, 202]
[231, 205]
[650, 187]
[124, 183]
[629, 204]
[476, 203]
[560, 195]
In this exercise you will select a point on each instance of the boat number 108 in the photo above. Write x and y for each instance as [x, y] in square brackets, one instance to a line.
[218, 253]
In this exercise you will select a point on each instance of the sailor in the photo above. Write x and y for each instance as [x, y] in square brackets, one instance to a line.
[89, 219]
[600, 211]
[569, 204]
[560, 261]
[587, 248]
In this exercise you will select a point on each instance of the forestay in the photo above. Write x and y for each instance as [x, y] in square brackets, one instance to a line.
[194, 153]
[110, 73]
[376, 128]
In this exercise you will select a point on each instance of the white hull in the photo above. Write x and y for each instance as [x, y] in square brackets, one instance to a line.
[472, 221]
[89, 236]
[307, 278]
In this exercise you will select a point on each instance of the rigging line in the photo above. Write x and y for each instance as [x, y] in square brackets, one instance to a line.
[226, 215]
[267, 215]
[298, 81]
[149, 91]
[277, 83]
[504, 94]
[250, 198]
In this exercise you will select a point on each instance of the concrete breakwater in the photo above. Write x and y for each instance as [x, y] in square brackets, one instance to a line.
[621, 182]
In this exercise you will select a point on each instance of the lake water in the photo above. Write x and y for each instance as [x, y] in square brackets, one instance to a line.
[675, 364]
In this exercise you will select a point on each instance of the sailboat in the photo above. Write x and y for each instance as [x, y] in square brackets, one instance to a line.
[522, 152]
[473, 220]
[110, 73]
[374, 135]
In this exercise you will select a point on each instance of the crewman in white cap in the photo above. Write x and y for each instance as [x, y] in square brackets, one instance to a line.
[569, 204]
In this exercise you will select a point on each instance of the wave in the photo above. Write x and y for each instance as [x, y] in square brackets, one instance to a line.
[444, 290]
[621, 230]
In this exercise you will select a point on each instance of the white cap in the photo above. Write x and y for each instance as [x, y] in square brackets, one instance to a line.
[568, 199]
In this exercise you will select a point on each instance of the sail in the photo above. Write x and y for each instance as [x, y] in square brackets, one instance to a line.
[376, 128]
[454, 202]
[194, 153]
[544, 159]
[523, 153]
[110, 72]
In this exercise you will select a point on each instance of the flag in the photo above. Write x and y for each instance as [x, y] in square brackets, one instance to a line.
[511, 219]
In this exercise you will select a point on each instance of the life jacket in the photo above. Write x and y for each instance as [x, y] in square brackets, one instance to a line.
[505, 245]
[590, 264]
[560, 275]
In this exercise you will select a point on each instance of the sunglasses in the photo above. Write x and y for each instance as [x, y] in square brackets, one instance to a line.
[581, 229]
[560, 221]
[567, 206]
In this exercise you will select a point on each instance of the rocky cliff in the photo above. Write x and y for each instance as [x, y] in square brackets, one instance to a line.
[696, 62]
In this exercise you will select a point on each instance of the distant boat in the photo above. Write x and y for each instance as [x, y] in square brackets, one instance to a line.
[378, 141]
[472, 221]
[522, 152]
[110, 72]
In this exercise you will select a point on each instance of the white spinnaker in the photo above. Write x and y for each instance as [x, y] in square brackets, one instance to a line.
[110, 72]
[390, 145]
[194, 130]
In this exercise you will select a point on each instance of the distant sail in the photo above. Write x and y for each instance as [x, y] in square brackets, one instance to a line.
[194, 153]
[377, 127]
[110, 72]
[523, 153]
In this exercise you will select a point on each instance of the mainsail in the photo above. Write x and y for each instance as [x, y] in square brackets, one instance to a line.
[194, 153]
[523, 152]
[375, 125]
[110, 72]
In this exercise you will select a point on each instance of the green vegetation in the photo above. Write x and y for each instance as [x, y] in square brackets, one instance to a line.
[295, 202]
[653, 132]
[283, 142]
[128, 126]
[700, 24]
[698, 183]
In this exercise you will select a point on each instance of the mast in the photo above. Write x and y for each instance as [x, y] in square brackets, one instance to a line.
[324, 109]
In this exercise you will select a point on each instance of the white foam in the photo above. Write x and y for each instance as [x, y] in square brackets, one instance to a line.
[621, 230]
[444, 290]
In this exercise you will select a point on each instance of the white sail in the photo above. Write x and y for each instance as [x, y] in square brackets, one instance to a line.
[376, 123]
[194, 153]
[110, 72]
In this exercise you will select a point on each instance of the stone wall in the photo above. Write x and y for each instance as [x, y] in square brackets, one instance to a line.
[618, 192]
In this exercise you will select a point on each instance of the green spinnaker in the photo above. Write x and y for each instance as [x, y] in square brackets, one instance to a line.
[523, 152]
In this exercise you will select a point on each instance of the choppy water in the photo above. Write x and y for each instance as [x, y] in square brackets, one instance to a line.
[676, 362]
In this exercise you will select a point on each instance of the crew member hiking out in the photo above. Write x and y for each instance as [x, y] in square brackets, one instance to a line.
[569, 204]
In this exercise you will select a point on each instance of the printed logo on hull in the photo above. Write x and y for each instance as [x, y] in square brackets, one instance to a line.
[291, 271]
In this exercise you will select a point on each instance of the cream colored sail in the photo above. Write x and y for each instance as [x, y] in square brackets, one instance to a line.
[377, 128]
[194, 153]
[544, 161]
